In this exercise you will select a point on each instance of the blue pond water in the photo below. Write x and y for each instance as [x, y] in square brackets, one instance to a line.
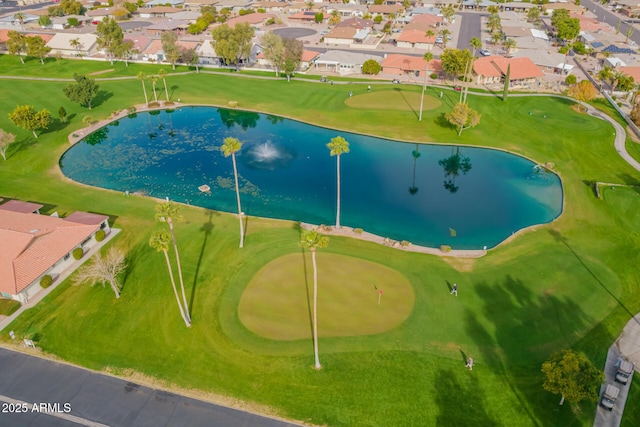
[428, 194]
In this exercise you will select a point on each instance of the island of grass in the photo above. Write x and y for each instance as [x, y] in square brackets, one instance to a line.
[572, 283]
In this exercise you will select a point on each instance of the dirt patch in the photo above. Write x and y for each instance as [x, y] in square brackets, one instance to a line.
[463, 265]
[97, 73]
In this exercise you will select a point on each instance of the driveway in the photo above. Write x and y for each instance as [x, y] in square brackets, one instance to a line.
[606, 15]
[470, 27]
[79, 397]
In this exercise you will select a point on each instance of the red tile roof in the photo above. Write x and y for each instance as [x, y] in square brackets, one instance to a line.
[309, 55]
[494, 66]
[415, 36]
[410, 63]
[20, 206]
[252, 18]
[32, 244]
[4, 36]
[86, 218]
[631, 72]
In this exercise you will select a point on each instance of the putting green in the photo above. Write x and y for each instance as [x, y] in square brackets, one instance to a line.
[277, 303]
[395, 99]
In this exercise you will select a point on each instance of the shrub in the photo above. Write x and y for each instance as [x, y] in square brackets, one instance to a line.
[131, 110]
[445, 248]
[434, 76]
[233, 104]
[571, 80]
[371, 66]
[358, 230]
[405, 243]
[8, 306]
[153, 104]
[100, 235]
[168, 103]
[46, 281]
[77, 253]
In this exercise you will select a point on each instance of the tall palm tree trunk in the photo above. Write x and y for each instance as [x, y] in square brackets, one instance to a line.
[338, 201]
[166, 91]
[146, 99]
[315, 310]
[175, 291]
[235, 174]
[175, 247]
[424, 88]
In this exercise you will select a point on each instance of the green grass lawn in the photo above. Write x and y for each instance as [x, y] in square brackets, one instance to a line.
[572, 283]
[348, 303]
[8, 306]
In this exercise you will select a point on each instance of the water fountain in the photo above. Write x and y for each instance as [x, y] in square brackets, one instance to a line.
[267, 156]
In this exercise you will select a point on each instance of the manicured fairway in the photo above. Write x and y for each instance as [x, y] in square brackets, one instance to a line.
[276, 302]
[393, 100]
[572, 283]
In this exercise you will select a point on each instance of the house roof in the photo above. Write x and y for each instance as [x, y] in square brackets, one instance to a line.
[410, 63]
[207, 50]
[428, 19]
[251, 18]
[415, 36]
[45, 37]
[357, 23]
[86, 218]
[385, 8]
[4, 36]
[309, 55]
[32, 244]
[160, 9]
[631, 72]
[20, 206]
[168, 25]
[63, 40]
[140, 42]
[494, 66]
[341, 33]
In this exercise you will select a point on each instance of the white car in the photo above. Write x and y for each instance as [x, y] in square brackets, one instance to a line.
[485, 52]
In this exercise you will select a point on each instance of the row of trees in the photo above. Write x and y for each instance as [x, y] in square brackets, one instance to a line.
[284, 54]
[20, 44]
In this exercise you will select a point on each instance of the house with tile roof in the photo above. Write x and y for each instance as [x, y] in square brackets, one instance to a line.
[401, 65]
[415, 39]
[61, 43]
[37, 245]
[493, 69]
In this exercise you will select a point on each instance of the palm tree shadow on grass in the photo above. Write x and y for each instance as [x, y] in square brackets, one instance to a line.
[399, 90]
[207, 229]
[560, 238]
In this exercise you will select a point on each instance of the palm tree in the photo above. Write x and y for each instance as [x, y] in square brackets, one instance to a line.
[427, 57]
[604, 75]
[162, 74]
[312, 240]
[229, 148]
[337, 147]
[335, 18]
[475, 43]
[167, 212]
[141, 77]
[154, 79]
[509, 44]
[160, 241]
[497, 38]
[20, 17]
[444, 33]
[429, 34]
[75, 43]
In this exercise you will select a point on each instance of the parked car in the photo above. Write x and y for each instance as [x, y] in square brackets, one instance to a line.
[625, 370]
[439, 39]
[609, 396]
[396, 81]
[485, 52]
[457, 88]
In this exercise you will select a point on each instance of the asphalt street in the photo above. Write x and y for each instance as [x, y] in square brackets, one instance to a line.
[470, 27]
[605, 14]
[78, 397]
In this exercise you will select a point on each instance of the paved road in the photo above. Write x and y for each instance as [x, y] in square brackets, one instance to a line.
[9, 7]
[605, 14]
[470, 27]
[98, 400]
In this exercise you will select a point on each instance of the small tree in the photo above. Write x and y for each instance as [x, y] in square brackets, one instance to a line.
[318, 17]
[37, 47]
[6, 139]
[26, 117]
[83, 91]
[463, 117]
[571, 80]
[44, 21]
[572, 376]
[103, 270]
[371, 66]
[584, 91]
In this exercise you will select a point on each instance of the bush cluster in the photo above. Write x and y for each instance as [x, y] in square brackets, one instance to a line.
[46, 281]
[78, 253]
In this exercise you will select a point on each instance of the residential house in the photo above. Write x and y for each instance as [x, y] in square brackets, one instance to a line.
[342, 62]
[140, 44]
[493, 69]
[196, 5]
[385, 10]
[340, 36]
[177, 26]
[157, 12]
[253, 19]
[272, 6]
[415, 39]
[4, 38]
[406, 65]
[37, 245]
[62, 43]
[308, 57]
[170, 3]
[304, 16]
[62, 22]
[348, 10]
[570, 7]
[207, 54]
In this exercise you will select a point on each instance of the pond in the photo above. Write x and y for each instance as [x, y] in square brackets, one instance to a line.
[430, 195]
